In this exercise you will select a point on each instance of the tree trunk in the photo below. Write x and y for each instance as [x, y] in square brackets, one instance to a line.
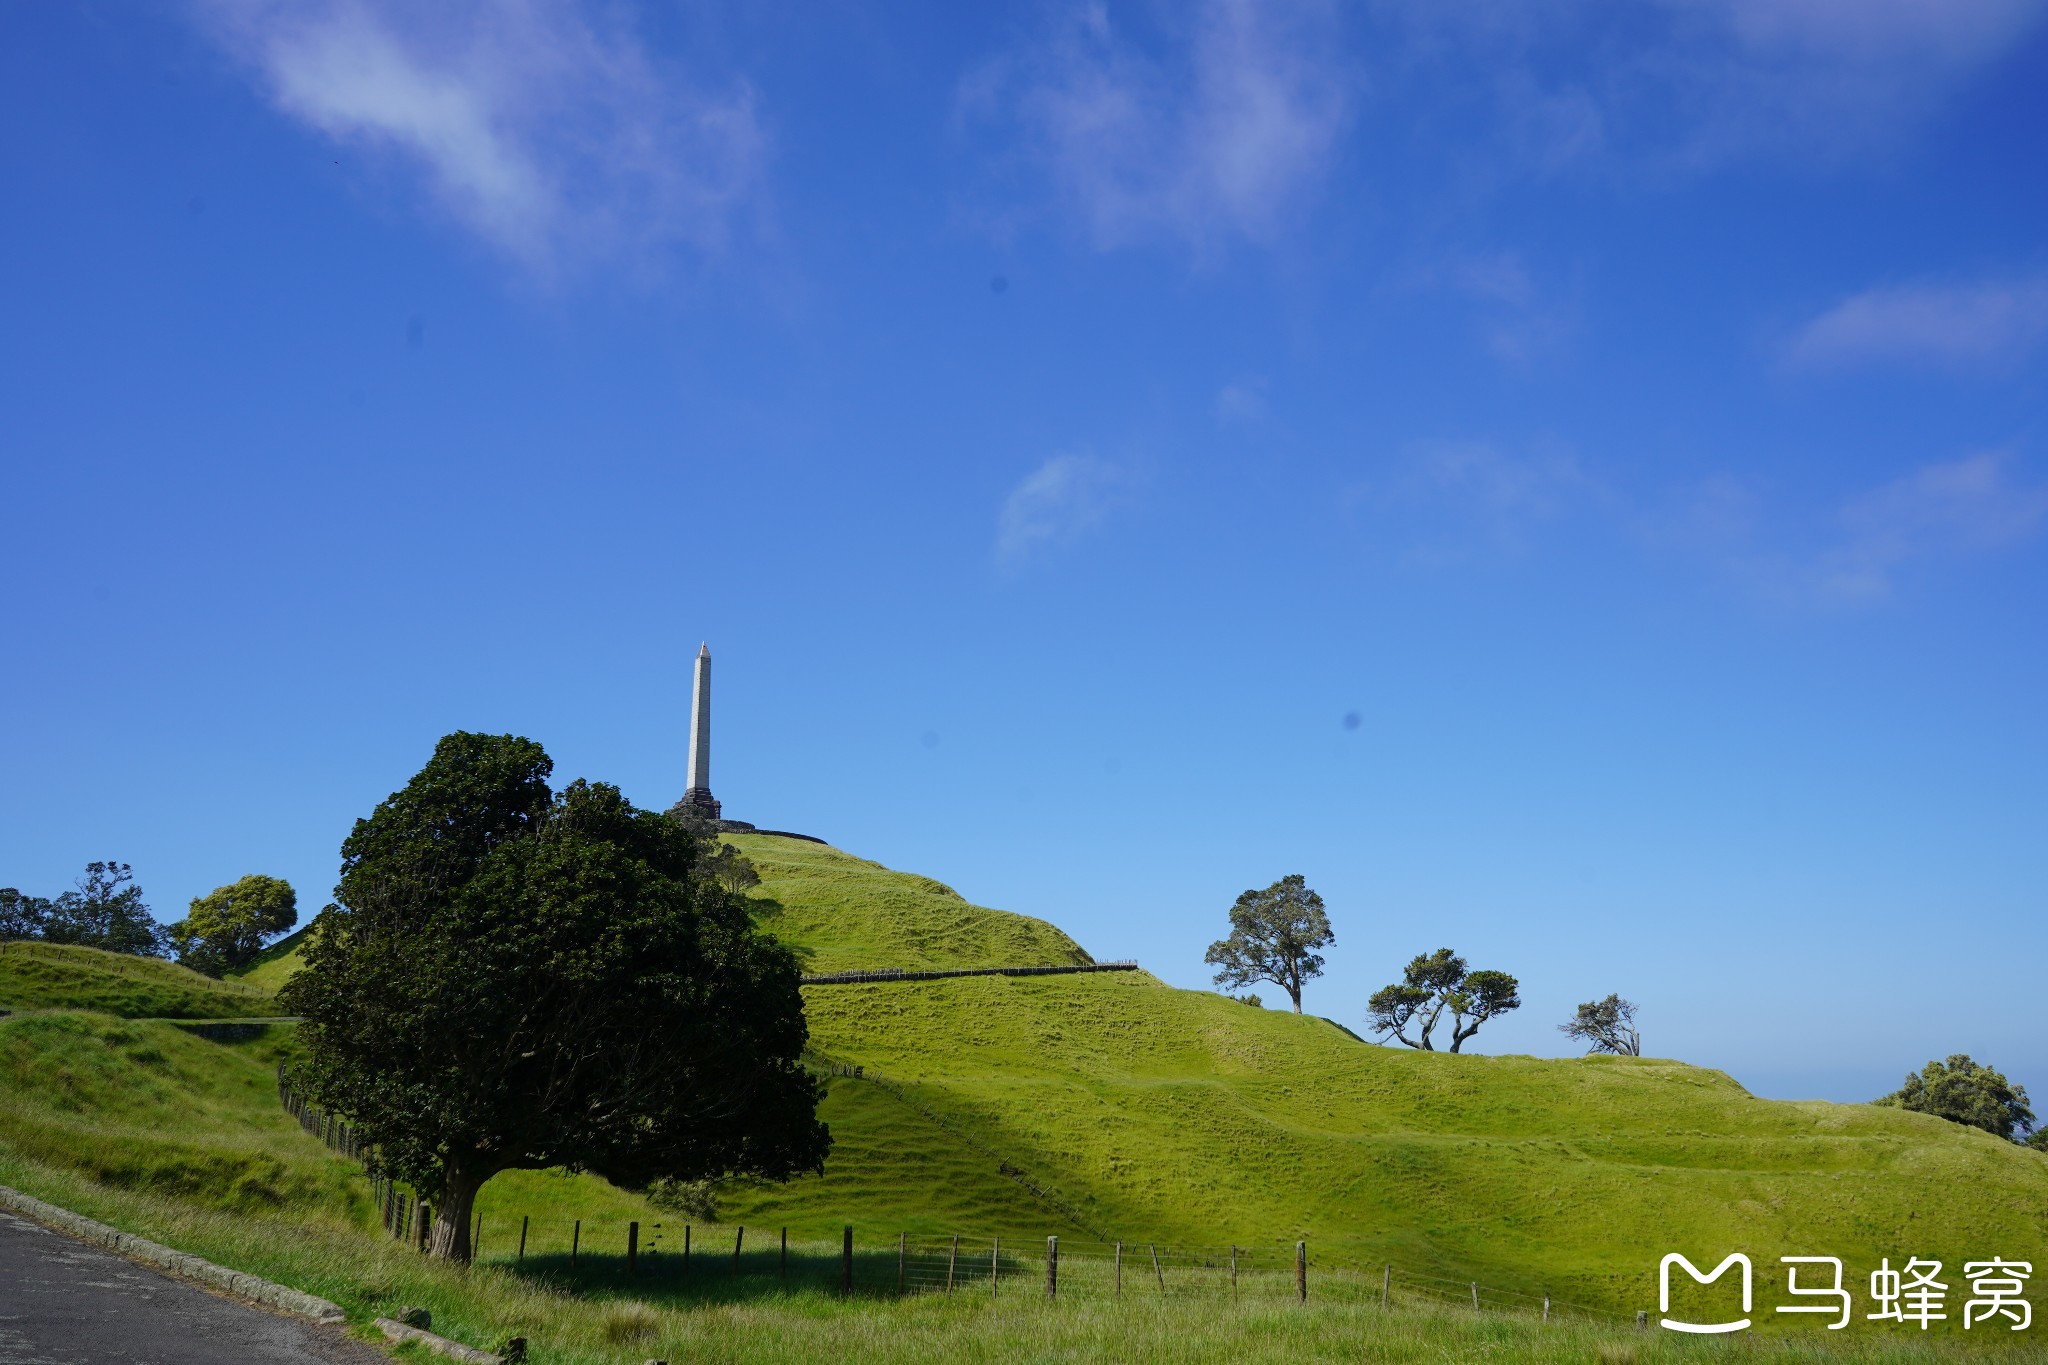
[452, 1212]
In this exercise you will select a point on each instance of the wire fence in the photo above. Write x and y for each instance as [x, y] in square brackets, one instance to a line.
[669, 1249]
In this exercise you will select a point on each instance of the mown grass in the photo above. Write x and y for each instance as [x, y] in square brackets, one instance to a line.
[61, 976]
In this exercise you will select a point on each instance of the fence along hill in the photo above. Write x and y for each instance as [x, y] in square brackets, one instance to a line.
[1115, 1106]
[1183, 1116]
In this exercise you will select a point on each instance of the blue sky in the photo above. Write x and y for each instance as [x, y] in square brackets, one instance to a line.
[1570, 480]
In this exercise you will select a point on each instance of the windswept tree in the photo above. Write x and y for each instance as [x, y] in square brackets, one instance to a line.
[515, 978]
[1962, 1091]
[226, 928]
[1432, 984]
[1274, 935]
[1607, 1026]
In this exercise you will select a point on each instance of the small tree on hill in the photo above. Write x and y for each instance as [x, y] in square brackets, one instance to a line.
[1962, 1091]
[105, 911]
[1607, 1026]
[518, 978]
[226, 928]
[722, 862]
[21, 916]
[1433, 983]
[1273, 937]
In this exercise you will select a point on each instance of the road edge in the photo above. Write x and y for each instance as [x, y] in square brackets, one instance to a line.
[240, 1283]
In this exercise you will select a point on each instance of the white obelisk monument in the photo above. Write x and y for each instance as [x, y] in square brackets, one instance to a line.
[699, 793]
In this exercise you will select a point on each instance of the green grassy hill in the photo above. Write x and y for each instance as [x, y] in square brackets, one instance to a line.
[1109, 1105]
[1182, 1115]
[58, 976]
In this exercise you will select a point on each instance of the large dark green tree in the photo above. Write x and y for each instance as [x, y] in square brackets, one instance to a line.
[225, 929]
[1274, 935]
[517, 978]
[1963, 1091]
[1433, 983]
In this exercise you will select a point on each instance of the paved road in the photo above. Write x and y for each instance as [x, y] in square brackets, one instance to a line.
[63, 1302]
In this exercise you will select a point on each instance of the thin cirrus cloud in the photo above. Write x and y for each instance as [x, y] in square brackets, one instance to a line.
[1940, 511]
[552, 135]
[1993, 322]
[1219, 127]
[1694, 83]
[1055, 504]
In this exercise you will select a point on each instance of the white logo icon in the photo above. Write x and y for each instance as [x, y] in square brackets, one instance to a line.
[1664, 1292]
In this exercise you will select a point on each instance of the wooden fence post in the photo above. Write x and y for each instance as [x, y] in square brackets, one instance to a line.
[575, 1240]
[1052, 1267]
[686, 1248]
[1546, 1308]
[952, 1260]
[902, 1259]
[846, 1261]
[1301, 1271]
[426, 1222]
[522, 1237]
[739, 1235]
[995, 1259]
[1233, 1272]
[1154, 1248]
[1386, 1285]
[1475, 1296]
[1119, 1270]
[476, 1238]
[632, 1248]
[1642, 1320]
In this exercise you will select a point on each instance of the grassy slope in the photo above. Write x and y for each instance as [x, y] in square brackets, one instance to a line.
[1181, 1115]
[144, 1104]
[843, 913]
[1164, 1113]
[275, 964]
[48, 975]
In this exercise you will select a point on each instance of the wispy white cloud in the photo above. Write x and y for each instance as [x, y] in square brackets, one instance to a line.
[1220, 128]
[1519, 320]
[1242, 399]
[1456, 500]
[1962, 507]
[1690, 82]
[1057, 503]
[548, 131]
[1991, 322]
[1863, 547]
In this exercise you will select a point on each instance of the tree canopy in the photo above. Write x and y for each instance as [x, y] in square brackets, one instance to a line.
[105, 910]
[513, 977]
[225, 929]
[1273, 937]
[1433, 983]
[1606, 1026]
[1962, 1091]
